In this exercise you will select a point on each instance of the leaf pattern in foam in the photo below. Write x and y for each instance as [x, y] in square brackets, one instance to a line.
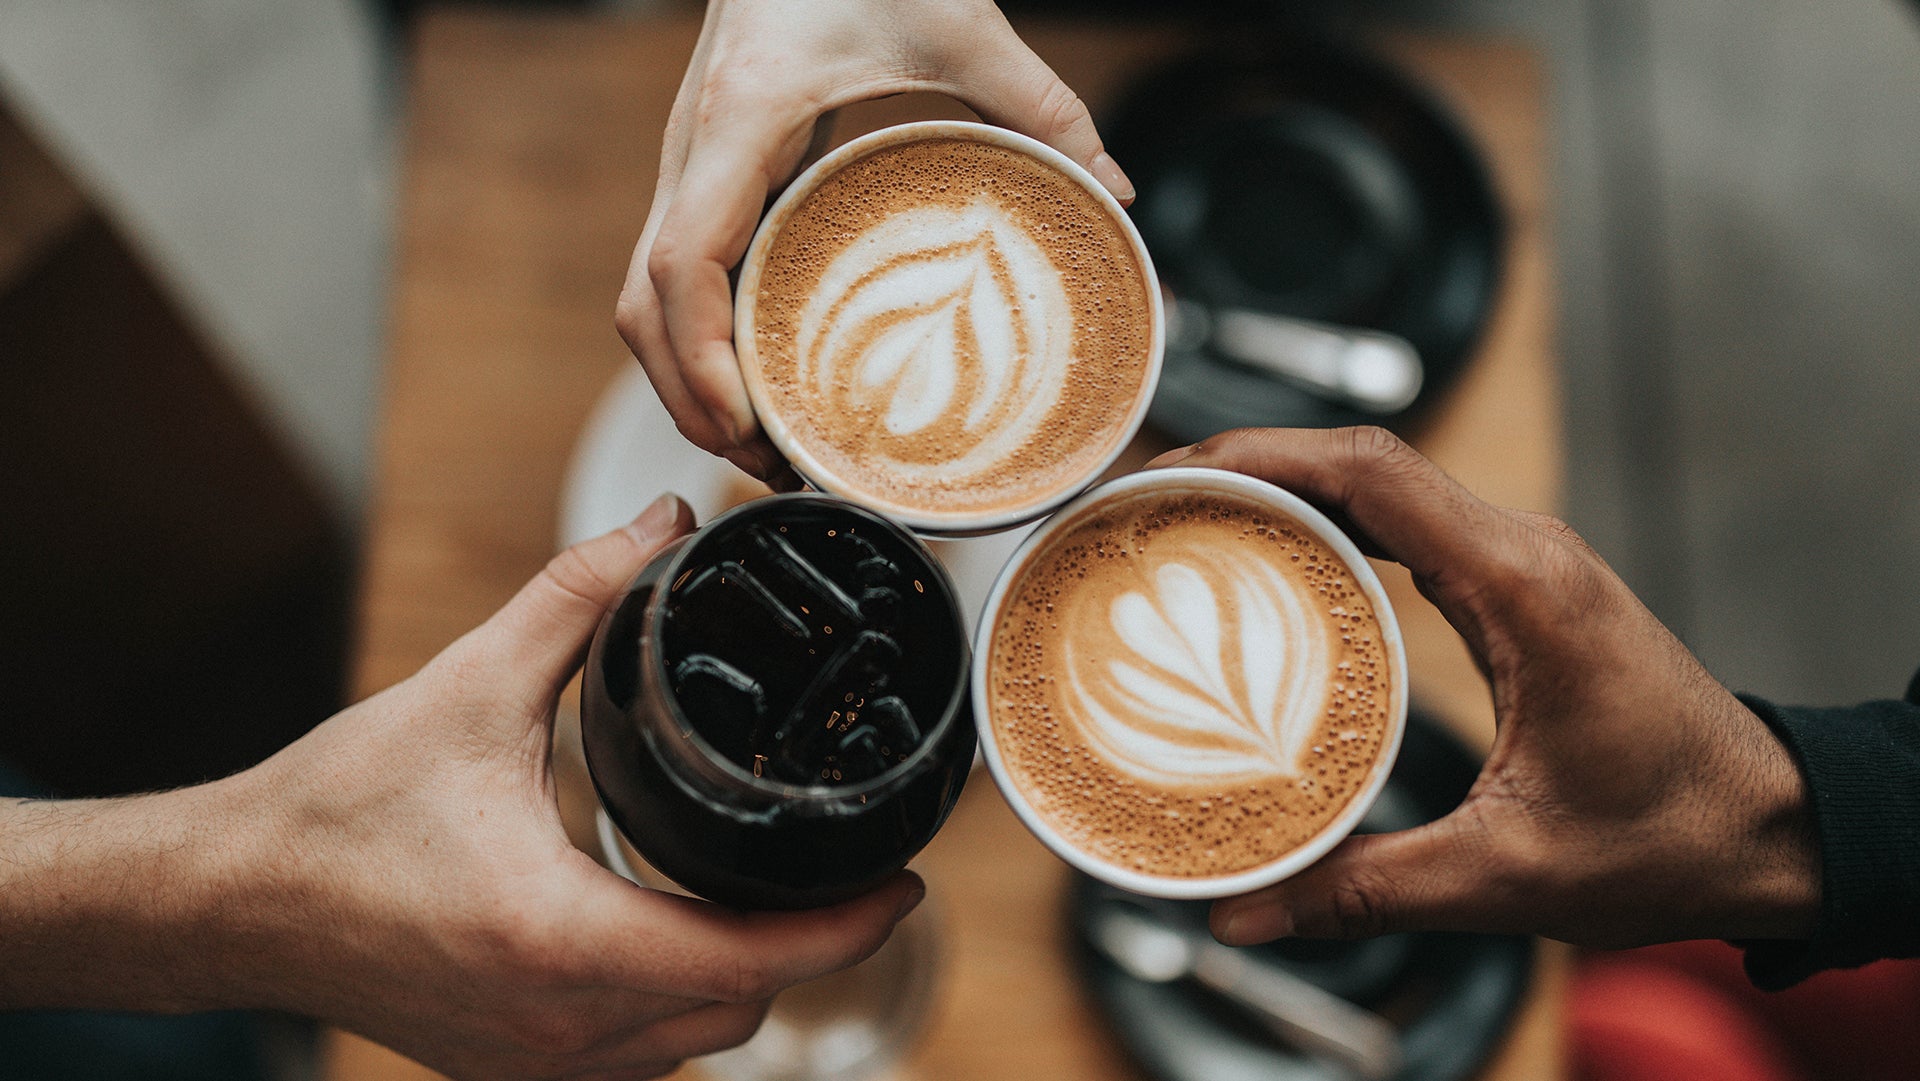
[913, 354]
[1169, 711]
[941, 314]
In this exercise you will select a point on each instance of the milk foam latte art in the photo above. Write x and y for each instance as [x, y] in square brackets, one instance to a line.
[948, 323]
[1191, 684]
[1202, 665]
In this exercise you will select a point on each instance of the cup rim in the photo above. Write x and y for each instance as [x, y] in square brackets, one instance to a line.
[922, 520]
[1295, 860]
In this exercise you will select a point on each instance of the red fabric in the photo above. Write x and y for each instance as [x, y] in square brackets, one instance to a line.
[1685, 1012]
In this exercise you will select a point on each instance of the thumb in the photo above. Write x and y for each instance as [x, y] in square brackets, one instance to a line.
[1008, 85]
[1430, 878]
[537, 638]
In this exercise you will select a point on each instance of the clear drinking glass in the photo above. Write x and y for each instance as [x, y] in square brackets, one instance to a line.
[776, 715]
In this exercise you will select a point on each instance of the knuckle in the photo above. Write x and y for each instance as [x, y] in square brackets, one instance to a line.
[1497, 835]
[1376, 448]
[633, 314]
[1547, 581]
[665, 259]
[759, 88]
[733, 83]
[1578, 570]
[744, 979]
[1560, 535]
[1369, 460]
[1352, 911]
[718, 98]
[572, 573]
[1359, 908]
[1060, 110]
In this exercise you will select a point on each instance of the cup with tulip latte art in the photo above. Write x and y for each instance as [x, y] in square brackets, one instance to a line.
[949, 323]
[1189, 683]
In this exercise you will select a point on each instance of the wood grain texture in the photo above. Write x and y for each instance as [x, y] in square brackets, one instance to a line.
[532, 148]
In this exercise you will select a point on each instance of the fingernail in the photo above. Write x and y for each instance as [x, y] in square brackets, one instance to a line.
[1252, 925]
[740, 433]
[757, 460]
[910, 902]
[784, 479]
[1173, 457]
[744, 429]
[774, 467]
[1108, 173]
[658, 520]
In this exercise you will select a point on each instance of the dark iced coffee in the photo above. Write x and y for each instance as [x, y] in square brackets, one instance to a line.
[775, 716]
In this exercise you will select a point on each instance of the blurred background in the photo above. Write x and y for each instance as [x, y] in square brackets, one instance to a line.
[1737, 235]
[195, 205]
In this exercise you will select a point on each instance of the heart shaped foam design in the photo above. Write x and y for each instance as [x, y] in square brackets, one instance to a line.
[1223, 673]
[950, 326]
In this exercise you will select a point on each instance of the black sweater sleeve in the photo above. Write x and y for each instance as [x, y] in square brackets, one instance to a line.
[1862, 766]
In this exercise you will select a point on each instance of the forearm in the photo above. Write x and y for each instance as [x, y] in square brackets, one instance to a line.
[119, 903]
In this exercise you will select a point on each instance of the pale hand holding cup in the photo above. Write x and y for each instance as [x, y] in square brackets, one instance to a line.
[402, 871]
[764, 76]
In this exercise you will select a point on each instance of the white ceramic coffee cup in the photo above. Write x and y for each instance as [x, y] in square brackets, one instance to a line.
[1177, 480]
[807, 464]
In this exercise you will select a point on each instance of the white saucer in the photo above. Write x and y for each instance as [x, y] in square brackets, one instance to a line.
[629, 453]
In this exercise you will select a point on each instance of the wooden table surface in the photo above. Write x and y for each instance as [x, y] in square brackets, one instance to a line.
[531, 149]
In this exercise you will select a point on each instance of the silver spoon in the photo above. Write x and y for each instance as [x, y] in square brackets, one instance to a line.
[1301, 1014]
[1370, 370]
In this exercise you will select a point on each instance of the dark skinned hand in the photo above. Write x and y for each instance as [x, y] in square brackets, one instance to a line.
[1629, 798]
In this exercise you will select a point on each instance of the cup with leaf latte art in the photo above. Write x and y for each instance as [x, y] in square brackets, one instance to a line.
[949, 323]
[1189, 683]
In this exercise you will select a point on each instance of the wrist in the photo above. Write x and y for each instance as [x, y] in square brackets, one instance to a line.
[221, 908]
[115, 903]
[1781, 888]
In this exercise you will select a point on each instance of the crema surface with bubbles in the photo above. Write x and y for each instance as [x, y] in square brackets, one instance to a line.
[951, 326]
[1188, 684]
